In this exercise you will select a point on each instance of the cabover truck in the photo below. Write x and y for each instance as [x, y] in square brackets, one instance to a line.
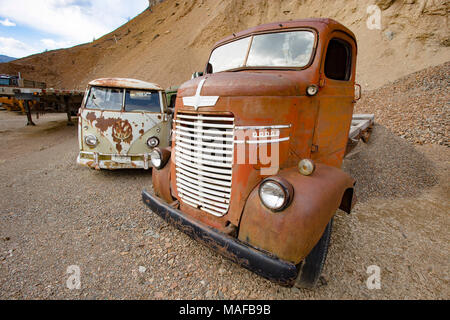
[254, 169]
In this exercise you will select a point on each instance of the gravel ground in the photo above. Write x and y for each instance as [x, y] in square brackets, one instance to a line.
[416, 107]
[54, 214]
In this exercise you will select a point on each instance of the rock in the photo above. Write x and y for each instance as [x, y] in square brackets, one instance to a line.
[384, 4]
[151, 233]
[142, 269]
[389, 34]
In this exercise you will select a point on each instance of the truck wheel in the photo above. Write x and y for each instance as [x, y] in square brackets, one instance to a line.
[311, 267]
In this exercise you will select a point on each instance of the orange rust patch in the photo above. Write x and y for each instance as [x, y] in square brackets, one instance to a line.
[91, 117]
[122, 132]
[103, 124]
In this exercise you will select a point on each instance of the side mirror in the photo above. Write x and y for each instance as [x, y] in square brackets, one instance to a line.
[197, 74]
[358, 92]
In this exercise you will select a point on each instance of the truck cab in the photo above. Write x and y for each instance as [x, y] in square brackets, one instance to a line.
[254, 170]
[8, 81]
[121, 121]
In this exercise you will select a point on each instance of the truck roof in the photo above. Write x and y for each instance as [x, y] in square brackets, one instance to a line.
[125, 83]
[317, 23]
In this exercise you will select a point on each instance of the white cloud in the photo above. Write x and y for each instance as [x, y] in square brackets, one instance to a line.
[7, 23]
[72, 20]
[14, 48]
[51, 44]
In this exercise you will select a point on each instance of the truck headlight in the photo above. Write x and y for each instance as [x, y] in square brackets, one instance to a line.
[153, 142]
[156, 158]
[91, 140]
[159, 157]
[275, 194]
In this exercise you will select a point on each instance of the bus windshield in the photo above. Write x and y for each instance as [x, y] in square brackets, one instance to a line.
[139, 100]
[101, 98]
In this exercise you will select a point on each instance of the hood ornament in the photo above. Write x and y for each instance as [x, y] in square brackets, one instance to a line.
[198, 101]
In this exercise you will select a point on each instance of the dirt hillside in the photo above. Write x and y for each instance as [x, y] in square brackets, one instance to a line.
[165, 45]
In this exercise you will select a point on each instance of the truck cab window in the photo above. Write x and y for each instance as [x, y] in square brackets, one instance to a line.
[146, 101]
[338, 60]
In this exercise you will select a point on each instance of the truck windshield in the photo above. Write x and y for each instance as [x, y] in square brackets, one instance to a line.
[147, 101]
[282, 49]
[101, 98]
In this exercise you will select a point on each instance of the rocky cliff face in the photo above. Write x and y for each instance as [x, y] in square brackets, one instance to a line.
[169, 42]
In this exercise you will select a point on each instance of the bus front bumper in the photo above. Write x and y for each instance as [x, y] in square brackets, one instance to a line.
[98, 161]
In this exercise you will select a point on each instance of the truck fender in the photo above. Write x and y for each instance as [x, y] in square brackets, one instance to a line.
[161, 182]
[292, 233]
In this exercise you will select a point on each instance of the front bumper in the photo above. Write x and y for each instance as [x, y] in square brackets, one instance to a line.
[262, 263]
[96, 160]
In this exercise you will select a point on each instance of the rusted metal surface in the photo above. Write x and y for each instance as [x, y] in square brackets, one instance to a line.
[262, 263]
[271, 97]
[41, 100]
[121, 135]
[125, 83]
[161, 183]
[321, 24]
[315, 127]
[292, 233]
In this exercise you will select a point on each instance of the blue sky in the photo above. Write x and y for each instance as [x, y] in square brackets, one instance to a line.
[33, 26]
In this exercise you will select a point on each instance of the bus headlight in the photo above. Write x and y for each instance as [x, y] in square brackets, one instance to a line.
[91, 140]
[275, 194]
[153, 142]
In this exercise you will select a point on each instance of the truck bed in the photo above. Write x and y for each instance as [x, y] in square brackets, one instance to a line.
[360, 129]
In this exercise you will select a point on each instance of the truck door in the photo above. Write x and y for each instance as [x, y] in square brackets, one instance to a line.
[335, 100]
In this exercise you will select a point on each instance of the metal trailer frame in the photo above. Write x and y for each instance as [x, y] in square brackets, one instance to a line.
[49, 100]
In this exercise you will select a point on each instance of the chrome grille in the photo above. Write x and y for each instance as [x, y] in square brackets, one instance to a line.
[204, 158]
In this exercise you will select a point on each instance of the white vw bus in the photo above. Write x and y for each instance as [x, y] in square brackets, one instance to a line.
[121, 121]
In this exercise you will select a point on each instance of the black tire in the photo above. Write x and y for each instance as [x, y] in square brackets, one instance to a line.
[311, 267]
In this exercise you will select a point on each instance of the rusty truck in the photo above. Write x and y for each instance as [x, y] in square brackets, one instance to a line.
[254, 169]
[121, 121]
